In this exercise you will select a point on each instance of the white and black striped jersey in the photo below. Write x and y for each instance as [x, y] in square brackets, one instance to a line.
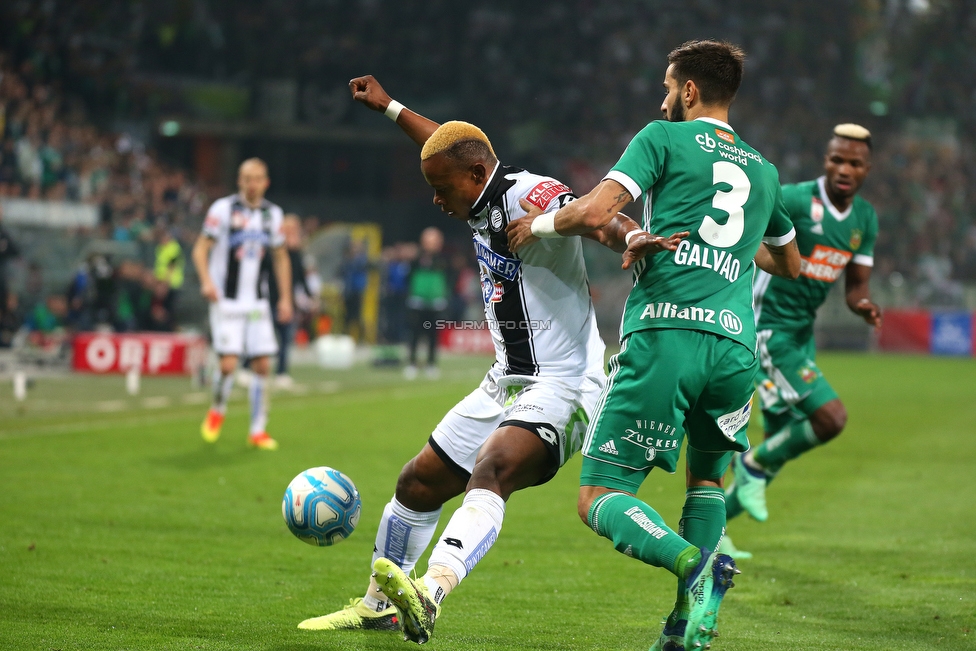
[537, 302]
[242, 236]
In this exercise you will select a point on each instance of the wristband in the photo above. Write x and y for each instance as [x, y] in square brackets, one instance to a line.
[632, 234]
[544, 226]
[393, 110]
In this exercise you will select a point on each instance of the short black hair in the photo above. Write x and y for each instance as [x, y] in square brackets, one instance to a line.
[714, 66]
[469, 152]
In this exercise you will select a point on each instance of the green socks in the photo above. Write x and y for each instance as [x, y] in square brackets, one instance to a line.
[702, 524]
[639, 532]
[788, 443]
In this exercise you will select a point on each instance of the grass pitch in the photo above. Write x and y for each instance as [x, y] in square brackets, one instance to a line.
[121, 529]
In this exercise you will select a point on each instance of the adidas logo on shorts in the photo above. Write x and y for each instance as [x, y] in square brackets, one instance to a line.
[609, 448]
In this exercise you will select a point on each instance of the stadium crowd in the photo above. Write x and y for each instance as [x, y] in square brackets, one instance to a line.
[67, 70]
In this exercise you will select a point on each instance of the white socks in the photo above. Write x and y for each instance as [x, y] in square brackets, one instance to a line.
[258, 393]
[469, 535]
[403, 536]
[222, 384]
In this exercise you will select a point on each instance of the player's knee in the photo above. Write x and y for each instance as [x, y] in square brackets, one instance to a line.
[411, 490]
[583, 508]
[830, 422]
[502, 472]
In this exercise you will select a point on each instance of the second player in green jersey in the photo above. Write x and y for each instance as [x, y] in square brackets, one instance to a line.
[835, 231]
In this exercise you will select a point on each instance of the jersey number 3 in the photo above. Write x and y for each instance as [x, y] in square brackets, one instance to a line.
[731, 201]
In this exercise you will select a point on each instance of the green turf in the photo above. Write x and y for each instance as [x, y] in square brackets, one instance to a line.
[120, 529]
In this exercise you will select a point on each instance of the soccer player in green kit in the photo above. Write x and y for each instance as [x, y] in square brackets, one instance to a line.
[687, 359]
[835, 231]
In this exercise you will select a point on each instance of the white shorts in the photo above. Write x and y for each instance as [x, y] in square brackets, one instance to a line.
[242, 329]
[556, 409]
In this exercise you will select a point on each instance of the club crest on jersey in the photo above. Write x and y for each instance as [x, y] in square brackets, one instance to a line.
[491, 292]
[496, 218]
[808, 375]
[856, 238]
[499, 265]
[816, 210]
[237, 219]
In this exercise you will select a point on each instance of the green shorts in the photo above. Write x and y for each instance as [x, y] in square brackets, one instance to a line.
[790, 385]
[664, 383]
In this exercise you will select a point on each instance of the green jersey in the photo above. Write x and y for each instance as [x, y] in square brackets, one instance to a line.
[828, 240]
[700, 177]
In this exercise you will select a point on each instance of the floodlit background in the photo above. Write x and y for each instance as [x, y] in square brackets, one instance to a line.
[122, 120]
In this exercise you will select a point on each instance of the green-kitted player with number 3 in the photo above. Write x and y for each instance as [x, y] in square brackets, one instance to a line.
[687, 359]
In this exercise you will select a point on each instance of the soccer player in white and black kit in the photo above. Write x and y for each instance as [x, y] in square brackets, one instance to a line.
[238, 232]
[527, 417]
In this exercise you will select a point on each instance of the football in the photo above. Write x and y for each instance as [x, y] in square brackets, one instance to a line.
[321, 506]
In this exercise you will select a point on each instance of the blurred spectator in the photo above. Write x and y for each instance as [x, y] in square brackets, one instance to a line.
[310, 225]
[170, 265]
[466, 294]
[427, 300]
[8, 251]
[396, 274]
[355, 268]
[291, 228]
[47, 321]
[153, 314]
[10, 320]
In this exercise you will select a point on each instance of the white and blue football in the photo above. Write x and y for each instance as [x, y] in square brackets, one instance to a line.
[321, 506]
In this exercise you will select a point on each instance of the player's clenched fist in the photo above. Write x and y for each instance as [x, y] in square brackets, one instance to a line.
[368, 91]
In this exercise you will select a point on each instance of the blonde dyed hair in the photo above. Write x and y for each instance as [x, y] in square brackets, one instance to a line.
[451, 133]
[853, 131]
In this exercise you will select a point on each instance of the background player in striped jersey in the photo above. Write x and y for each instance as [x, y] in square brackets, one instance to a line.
[835, 230]
[238, 232]
[529, 414]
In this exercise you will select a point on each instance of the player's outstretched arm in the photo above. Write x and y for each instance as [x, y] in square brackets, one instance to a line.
[588, 213]
[367, 91]
[781, 261]
[615, 234]
[625, 236]
[858, 294]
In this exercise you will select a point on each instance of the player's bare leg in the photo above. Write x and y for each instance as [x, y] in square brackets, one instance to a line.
[406, 529]
[511, 459]
[223, 382]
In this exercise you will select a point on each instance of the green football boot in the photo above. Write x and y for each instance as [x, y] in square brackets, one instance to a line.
[750, 488]
[707, 585]
[726, 546]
